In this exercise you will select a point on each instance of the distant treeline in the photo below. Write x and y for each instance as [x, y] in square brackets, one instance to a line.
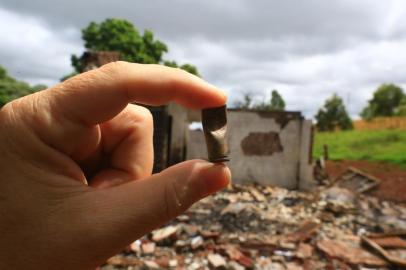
[389, 100]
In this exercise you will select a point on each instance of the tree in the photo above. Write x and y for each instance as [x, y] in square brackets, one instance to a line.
[275, 103]
[246, 103]
[11, 88]
[121, 36]
[333, 115]
[401, 109]
[384, 102]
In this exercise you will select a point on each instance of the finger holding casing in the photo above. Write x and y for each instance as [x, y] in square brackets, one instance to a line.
[98, 95]
[76, 106]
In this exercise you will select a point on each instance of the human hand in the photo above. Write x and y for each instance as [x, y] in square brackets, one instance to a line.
[54, 142]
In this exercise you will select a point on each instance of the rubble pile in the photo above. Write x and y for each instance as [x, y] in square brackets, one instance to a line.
[258, 227]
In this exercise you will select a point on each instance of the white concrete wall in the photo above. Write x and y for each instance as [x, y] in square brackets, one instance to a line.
[278, 169]
[196, 145]
[281, 168]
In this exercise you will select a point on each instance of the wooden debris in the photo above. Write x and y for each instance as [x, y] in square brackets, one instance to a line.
[356, 180]
[304, 251]
[235, 229]
[305, 231]
[382, 252]
[351, 253]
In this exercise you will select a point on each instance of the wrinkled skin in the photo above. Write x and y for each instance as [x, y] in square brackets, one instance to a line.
[76, 161]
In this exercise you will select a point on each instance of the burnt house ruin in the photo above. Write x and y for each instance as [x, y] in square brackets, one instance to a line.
[266, 147]
[91, 60]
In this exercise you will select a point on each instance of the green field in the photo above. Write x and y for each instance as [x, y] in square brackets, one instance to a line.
[372, 145]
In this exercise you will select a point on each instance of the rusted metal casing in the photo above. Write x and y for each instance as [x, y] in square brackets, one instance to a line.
[214, 122]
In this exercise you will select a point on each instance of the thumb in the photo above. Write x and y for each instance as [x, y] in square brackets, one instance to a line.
[121, 214]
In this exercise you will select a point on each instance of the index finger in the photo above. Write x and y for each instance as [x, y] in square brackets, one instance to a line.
[98, 95]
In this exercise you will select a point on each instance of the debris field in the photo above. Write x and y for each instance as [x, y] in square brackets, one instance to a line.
[336, 226]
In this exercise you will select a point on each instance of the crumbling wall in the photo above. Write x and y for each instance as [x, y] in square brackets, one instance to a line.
[270, 148]
[170, 135]
[264, 147]
[161, 137]
[306, 179]
[178, 133]
[91, 60]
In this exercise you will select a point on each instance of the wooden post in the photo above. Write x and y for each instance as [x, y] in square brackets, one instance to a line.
[325, 152]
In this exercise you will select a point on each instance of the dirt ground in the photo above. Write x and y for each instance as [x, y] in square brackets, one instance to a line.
[393, 185]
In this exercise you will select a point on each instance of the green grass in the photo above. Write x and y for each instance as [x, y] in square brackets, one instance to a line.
[376, 145]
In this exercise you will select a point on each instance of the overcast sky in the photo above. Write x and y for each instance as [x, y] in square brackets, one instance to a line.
[307, 50]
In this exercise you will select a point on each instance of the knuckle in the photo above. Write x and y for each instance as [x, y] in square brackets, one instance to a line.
[31, 111]
[12, 110]
[5, 109]
[114, 67]
[177, 78]
[13, 121]
[81, 81]
[5, 113]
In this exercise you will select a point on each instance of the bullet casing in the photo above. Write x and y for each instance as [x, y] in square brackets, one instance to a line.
[214, 122]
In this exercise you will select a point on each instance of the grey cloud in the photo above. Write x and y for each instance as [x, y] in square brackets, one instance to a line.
[220, 19]
[306, 49]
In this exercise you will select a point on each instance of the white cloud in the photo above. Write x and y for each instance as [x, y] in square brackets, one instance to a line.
[32, 52]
